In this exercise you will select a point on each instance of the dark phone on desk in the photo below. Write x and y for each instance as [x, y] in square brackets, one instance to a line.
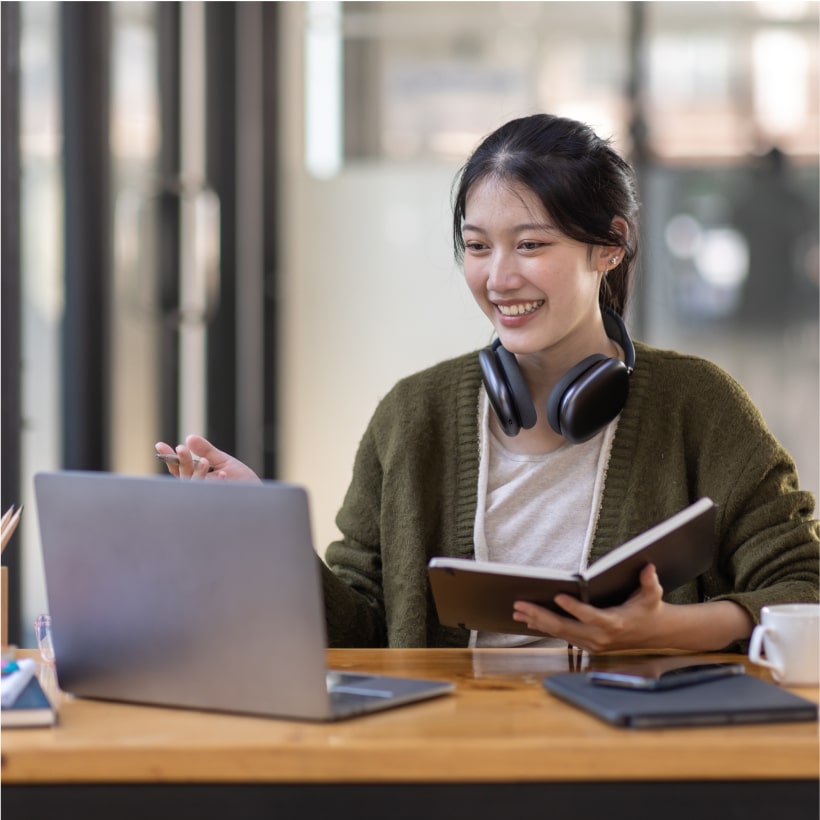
[682, 676]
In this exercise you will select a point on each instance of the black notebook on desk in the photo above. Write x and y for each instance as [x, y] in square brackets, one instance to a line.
[31, 708]
[735, 699]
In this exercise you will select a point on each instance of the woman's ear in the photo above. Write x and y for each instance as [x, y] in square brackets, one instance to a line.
[611, 256]
[621, 227]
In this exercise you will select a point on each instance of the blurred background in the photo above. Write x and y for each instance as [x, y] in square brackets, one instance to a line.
[233, 218]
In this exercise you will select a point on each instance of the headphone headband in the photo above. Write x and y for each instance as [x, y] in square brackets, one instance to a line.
[583, 401]
[616, 330]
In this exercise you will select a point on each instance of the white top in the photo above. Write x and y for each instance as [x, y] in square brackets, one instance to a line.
[537, 510]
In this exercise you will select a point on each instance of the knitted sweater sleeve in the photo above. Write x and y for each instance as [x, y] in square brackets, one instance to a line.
[689, 430]
[411, 496]
[354, 599]
[768, 533]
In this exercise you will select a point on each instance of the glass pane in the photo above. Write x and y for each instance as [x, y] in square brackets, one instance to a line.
[41, 221]
[135, 143]
[728, 79]
[423, 82]
[428, 80]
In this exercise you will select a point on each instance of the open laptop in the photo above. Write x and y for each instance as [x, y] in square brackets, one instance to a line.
[195, 594]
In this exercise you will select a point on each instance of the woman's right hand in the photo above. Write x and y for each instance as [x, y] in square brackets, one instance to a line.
[213, 463]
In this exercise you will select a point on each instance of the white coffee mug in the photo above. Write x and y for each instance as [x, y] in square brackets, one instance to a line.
[789, 637]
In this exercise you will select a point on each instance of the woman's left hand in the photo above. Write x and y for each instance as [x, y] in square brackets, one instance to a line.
[632, 625]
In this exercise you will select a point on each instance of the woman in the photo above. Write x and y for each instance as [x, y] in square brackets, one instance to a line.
[561, 441]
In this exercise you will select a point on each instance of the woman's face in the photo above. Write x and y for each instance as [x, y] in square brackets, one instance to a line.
[538, 287]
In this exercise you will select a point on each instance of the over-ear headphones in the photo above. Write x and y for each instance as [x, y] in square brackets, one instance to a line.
[584, 400]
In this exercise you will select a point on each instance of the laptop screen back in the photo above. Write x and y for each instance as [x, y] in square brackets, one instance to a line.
[182, 593]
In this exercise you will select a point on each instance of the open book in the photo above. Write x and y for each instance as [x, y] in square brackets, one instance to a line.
[480, 595]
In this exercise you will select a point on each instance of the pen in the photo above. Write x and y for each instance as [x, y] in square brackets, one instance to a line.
[173, 458]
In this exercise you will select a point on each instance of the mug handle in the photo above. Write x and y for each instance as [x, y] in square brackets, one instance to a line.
[755, 647]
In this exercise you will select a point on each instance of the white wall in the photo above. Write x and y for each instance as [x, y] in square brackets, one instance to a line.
[370, 293]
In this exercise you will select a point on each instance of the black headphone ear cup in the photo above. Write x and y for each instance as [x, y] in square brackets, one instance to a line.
[498, 392]
[518, 387]
[592, 399]
[556, 399]
[584, 400]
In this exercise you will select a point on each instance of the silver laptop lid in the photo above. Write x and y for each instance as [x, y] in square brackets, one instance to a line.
[184, 593]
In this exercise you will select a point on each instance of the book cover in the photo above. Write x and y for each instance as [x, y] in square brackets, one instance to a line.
[480, 595]
[728, 700]
[30, 708]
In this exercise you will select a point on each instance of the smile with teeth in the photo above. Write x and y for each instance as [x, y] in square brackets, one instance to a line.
[521, 309]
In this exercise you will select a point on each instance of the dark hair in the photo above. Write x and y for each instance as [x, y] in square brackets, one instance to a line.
[582, 182]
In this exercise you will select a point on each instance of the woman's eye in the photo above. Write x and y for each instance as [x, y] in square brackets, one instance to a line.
[475, 246]
[531, 246]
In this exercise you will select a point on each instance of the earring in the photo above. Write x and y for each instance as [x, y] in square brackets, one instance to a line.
[614, 260]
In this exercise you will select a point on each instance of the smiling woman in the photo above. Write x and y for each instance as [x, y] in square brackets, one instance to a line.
[545, 220]
[368, 294]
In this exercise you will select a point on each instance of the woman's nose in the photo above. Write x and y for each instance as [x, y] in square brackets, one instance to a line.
[502, 273]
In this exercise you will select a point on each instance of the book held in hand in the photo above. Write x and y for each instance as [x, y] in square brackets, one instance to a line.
[480, 595]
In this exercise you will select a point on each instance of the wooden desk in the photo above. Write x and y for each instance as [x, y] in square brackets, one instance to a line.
[499, 745]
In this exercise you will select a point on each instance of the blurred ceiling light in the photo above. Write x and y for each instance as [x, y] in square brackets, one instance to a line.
[723, 257]
[783, 9]
[780, 69]
[683, 236]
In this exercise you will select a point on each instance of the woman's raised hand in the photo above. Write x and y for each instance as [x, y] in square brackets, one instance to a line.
[199, 459]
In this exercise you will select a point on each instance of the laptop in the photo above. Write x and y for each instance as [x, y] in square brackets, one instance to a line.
[195, 594]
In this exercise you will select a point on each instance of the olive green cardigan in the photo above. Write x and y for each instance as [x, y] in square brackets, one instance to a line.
[688, 430]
